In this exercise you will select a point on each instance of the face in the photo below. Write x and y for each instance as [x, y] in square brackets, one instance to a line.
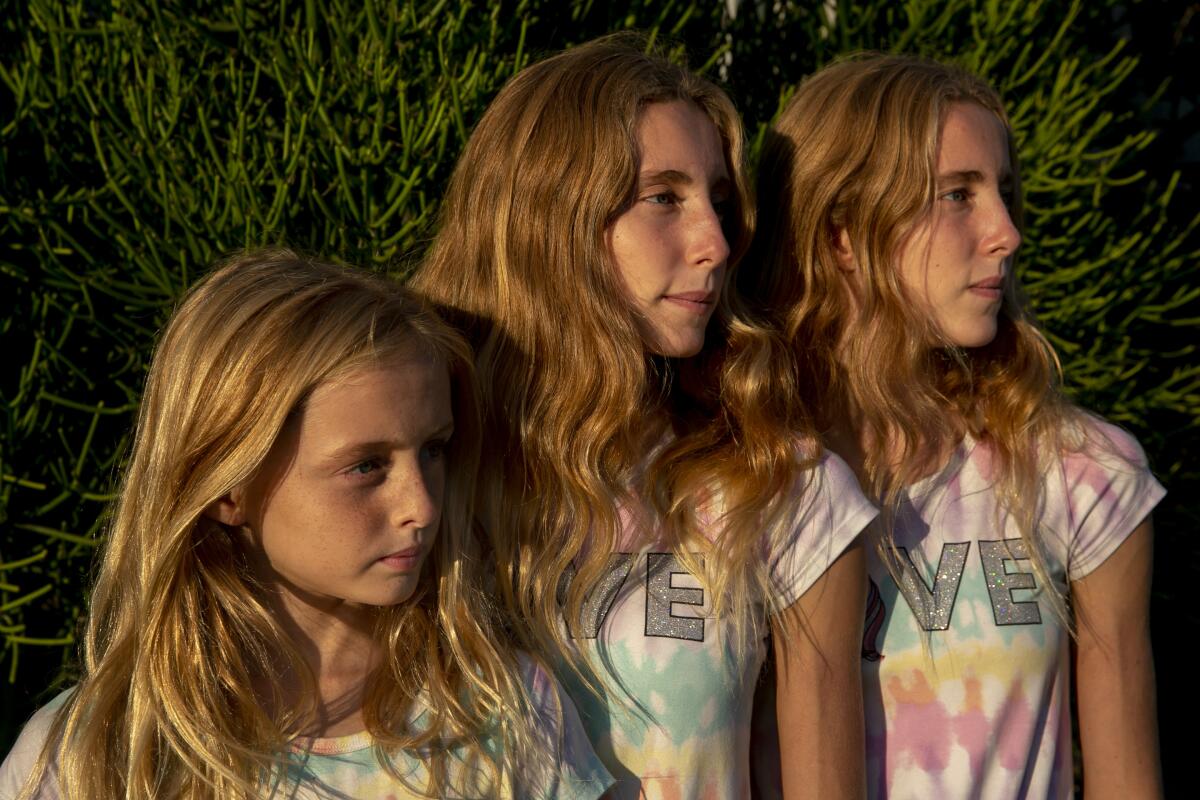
[347, 505]
[669, 247]
[957, 261]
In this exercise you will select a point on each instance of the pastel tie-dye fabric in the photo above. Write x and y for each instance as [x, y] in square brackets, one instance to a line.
[673, 718]
[345, 767]
[966, 670]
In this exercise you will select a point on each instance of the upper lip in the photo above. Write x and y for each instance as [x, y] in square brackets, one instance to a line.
[994, 282]
[695, 297]
[407, 552]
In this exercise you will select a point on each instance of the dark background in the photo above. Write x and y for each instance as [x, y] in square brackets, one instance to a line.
[140, 141]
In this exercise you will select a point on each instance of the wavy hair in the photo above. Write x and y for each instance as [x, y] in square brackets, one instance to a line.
[521, 263]
[178, 630]
[855, 151]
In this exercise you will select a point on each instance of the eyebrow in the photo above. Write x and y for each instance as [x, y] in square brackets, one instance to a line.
[666, 176]
[971, 176]
[676, 177]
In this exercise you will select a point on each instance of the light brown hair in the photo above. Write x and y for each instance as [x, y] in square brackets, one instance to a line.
[178, 630]
[855, 151]
[521, 262]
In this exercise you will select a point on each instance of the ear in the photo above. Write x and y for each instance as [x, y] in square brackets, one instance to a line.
[229, 509]
[844, 251]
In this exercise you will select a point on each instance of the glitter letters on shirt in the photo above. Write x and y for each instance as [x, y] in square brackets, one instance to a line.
[662, 595]
[934, 606]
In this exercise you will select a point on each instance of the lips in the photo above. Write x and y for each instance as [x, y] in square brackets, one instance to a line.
[991, 288]
[403, 560]
[699, 302]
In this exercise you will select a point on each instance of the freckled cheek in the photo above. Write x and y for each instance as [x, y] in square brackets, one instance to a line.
[643, 255]
[340, 519]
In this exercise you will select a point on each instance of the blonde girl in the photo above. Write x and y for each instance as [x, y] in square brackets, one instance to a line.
[1016, 525]
[288, 602]
[653, 512]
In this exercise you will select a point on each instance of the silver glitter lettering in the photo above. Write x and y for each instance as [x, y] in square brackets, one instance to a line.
[996, 555]
[933, 607]
[661, 568]
[600, 599]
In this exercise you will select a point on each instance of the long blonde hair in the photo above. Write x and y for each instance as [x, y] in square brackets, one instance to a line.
[855, 151]
[178, 631]
[520, 262]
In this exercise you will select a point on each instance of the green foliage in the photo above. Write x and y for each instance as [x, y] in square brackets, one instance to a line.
[143, 143]
[141, 140]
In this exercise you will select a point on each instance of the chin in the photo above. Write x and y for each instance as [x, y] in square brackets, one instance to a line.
[679, 350]
[678, 345]
[977, 339]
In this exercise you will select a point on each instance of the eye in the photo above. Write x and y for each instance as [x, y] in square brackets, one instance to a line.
[957, 196]
[436, 449]
[661, 199]
[366, 467]
[722, 206]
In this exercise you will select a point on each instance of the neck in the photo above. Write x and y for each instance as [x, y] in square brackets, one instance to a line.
[336, 642]
[849, 435]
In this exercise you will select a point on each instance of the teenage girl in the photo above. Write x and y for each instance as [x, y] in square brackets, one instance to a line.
[283, 609]
[1016, 525]
[653, 513]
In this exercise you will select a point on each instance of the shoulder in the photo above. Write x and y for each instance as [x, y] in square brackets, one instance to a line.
[575, 772]
[824, 514]
[1091, 438]
[1104, 489]
[540, 684]
[825, 495]
[21, 760]
[1097, 456]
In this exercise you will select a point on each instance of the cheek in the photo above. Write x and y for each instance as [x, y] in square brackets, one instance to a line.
[639, 249]
[624, 256]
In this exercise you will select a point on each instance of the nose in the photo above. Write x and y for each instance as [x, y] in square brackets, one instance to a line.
[416, 497]
[709, 247]
[1002, 238]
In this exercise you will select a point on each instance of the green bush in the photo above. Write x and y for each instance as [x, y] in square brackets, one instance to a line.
[139, 141]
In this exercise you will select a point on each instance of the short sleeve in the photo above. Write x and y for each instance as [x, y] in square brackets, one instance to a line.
[1109, 490]
[828, 512]
[577, 772]
[19, 763]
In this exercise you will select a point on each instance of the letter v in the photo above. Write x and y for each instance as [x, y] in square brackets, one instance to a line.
[933, 608]
[599, 600]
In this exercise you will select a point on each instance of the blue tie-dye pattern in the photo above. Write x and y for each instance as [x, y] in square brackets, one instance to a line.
[673, 718]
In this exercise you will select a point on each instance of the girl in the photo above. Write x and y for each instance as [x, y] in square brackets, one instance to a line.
[640, 469]
[283, 609]
[1014, 520]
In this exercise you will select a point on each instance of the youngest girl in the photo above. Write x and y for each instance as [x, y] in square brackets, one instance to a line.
[283, 609]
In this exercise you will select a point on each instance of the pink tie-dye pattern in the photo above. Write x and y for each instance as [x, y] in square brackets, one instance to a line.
[1012, 725]
[920, 726]
[971, 727]
[1015, 721]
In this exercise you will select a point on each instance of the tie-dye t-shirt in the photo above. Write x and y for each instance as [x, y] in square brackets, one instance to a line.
[673, 719]
[966, 670]
[344, 767]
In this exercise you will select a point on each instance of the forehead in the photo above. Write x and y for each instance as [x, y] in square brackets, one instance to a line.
[675, 134]
[407, 389]
[973, 139]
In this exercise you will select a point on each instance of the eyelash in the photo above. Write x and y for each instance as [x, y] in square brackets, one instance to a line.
[1007, 197]
[670, 197]
[374, 463]
[720, 204]
[436, 450]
